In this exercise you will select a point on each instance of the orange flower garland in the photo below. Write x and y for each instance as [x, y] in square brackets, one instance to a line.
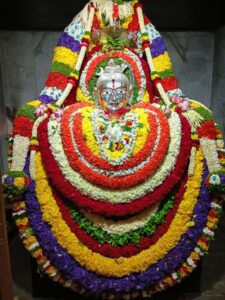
[121, 182]
[110, 209]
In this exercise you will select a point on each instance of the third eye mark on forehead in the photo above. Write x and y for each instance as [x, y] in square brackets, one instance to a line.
[110, 90]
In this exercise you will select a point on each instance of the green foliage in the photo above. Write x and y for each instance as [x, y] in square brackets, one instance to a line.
[131, 237]
[27, 111]
[61, 68]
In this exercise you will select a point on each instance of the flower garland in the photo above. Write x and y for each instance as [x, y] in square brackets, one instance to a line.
[147, 167]
[107, 208]
[21, 144]
[100, 264]
[178, 275]
[99, 60]
[115, 138]
[65, 56]
[57, 137]
[125, 286]
[173, 148]
[69, 42]
[22, 126]
[89, 148]
[210, 152]
[15, 184]
[212, 220]
[31, 243]
[137, 241]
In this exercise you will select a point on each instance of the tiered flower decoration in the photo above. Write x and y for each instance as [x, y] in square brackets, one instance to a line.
[121, 202]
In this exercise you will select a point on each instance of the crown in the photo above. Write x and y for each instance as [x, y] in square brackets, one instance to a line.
[113, 68]
[112, 71]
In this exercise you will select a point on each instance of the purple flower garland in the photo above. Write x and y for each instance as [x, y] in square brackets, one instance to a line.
[98, 284]
[69, 42]
[46, 99]
[158, 47]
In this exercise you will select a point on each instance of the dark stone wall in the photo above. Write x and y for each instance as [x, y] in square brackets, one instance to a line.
[198, 58]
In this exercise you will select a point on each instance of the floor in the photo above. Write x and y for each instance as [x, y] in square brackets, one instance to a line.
[212, 283]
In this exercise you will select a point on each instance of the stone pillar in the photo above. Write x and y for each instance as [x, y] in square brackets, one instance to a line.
[218, 87]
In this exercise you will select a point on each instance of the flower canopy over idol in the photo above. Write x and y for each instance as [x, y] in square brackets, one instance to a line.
[115, 175]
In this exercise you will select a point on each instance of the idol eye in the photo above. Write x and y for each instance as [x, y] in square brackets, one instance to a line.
[106, 92]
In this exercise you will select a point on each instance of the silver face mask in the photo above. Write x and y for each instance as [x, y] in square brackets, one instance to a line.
[113, 87]
[114, 93]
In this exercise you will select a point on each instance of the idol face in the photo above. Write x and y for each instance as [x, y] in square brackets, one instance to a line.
[113, 94]
[113, 89]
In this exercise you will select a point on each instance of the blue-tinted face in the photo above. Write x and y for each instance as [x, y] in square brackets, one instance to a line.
[113, 95]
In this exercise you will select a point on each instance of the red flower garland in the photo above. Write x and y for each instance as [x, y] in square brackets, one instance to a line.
[117, 54]
[169, 83]
[109, 209]
[56, 80]
[99, 162]
[134, 24]
[93, 66]
[207, 130]
[22, 126]
[112, 182]
[127, 250]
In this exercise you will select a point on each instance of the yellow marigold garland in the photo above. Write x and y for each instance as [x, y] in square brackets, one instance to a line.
[162, 62]
[81, 97]
[121, 266]
[142, 132]
[34, 103]
[65, 55]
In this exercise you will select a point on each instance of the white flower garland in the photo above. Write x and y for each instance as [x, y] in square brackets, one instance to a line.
[114, 134]
[76, 28]
[20, 149]
[191, 168]
[210, 153]
[120, 173]
[122, 226]
[141, 91]
[105, 9]
[123, 196]
[52, 92]
[194, 119]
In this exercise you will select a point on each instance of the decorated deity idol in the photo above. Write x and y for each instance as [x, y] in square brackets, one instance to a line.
[116, 177]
